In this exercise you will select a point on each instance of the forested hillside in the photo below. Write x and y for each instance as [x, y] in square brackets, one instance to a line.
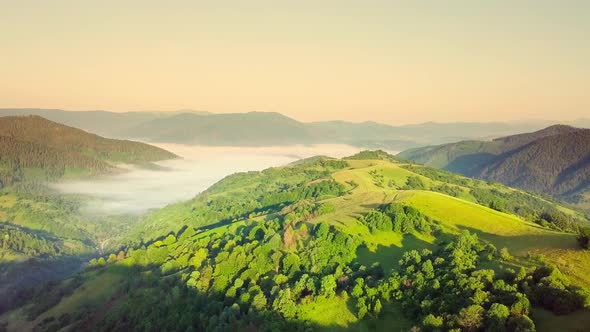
[553, 161]
[43, 234]
[364, 243]
[33, 148]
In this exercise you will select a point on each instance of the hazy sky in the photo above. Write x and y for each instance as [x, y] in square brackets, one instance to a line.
[390, 61]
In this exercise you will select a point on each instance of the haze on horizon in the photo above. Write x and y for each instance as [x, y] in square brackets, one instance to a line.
[388, 61]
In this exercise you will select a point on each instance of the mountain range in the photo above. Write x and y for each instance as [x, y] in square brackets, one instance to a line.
[269, 128]
[554, 160]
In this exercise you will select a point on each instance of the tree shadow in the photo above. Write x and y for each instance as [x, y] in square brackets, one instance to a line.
[471, 164]
[389, 256]
[19, 279]
[523, 243]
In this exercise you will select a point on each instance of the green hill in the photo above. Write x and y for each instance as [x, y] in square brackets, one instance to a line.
[334, 245]
[552, 161]
[33, 148]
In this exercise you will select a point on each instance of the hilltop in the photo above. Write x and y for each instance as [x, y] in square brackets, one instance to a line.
[36, 148]
[333, 245]
[554, 161]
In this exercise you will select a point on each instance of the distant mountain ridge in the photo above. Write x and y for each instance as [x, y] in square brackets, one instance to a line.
[32, 147]
[554, 160]
[270, 128]
[254, 128]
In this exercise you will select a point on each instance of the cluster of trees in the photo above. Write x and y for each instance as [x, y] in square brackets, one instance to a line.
[528, 207]
[373, 155]
[440, 175]
[414, 183]
[243, 277]
[446, 290]
[451, 190]
[398, 218]
[378, 178]
[229, 208]
[548, 287]
[16, 239]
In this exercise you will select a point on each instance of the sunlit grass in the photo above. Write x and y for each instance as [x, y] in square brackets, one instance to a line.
[328, 312]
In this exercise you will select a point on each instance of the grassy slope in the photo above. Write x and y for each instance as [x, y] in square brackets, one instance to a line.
[504, 230]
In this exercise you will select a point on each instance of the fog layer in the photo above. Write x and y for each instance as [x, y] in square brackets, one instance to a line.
[140, 189]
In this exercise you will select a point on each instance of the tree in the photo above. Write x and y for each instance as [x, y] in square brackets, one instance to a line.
[328, 286]
[432, 323]
[377, 307]
[505, 254]
[358, 289]
[414, 182]
[291, 264]
[112, 258]
[520, 324]
[284, 304]
[521, 306]
[259, 301]
[377, 220]
[471, 318]
[100, 262]
[496, 317]
[170, 239]
[428, 269]
[361, 308]
[322, 230]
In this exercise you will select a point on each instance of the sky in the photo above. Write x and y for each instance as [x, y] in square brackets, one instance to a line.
[389, 61]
